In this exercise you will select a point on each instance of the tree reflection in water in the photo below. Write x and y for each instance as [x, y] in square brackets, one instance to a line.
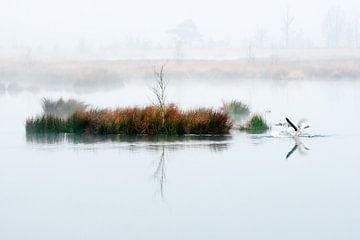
[160, 144]
[160, 173]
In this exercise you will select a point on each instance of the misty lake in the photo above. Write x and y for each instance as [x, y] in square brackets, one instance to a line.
[237, 186]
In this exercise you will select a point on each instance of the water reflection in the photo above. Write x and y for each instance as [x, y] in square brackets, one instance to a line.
[159, 173]
[172, 143]
[299, 145]
[161, 145]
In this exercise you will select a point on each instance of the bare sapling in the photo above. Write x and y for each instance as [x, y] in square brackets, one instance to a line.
[160, 93]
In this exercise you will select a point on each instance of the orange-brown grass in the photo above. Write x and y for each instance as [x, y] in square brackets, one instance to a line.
[132, 121]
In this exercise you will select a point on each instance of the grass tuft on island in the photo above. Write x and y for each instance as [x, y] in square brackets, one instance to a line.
[150, 120]
[62, 108]
[256, 125]
[236, 108]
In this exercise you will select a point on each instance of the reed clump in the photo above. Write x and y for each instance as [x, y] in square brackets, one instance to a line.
[45, 124]
[62, 108]
[236, 107]
[237, 110]
[256, 124]
[160, 118]
[150, 120]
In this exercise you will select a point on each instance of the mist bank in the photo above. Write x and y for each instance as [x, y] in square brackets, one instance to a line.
[248, 50]
[95, 75]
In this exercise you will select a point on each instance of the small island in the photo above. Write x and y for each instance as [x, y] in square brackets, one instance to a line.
[160, 118]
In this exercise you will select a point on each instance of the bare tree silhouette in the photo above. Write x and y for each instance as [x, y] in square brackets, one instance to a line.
[160, 92]
[287, 26]
[184, 34]
[333, 26]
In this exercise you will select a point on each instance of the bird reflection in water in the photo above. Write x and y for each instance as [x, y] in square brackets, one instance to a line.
[299, 145]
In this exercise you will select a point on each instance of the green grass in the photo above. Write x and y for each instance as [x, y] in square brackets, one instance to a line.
[236, 107]
[46, 124]
[237, 110]
[133, 121]
[256, 125]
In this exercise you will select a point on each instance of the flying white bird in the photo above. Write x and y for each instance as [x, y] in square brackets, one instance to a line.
[294, 131]
[300, 128]
[291, 128]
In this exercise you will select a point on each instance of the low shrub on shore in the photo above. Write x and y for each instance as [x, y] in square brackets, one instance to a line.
[256, 124]
[237, 110]
[131, 121]
[61, 108]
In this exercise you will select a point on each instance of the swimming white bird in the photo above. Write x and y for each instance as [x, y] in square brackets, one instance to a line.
[290, 128]
[300, 128]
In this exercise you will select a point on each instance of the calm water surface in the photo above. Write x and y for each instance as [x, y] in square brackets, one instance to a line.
[236, 186]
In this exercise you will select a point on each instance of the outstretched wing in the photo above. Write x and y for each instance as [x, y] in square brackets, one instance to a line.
[302, 122]
[291, 124]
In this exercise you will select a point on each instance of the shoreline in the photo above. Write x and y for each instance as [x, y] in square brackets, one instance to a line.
[16, 76]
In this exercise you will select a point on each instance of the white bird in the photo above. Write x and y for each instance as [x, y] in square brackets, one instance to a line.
[295, 132]
[300, 128]
[290, 129]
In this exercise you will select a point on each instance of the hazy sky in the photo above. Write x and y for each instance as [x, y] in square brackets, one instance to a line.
[103, 21]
